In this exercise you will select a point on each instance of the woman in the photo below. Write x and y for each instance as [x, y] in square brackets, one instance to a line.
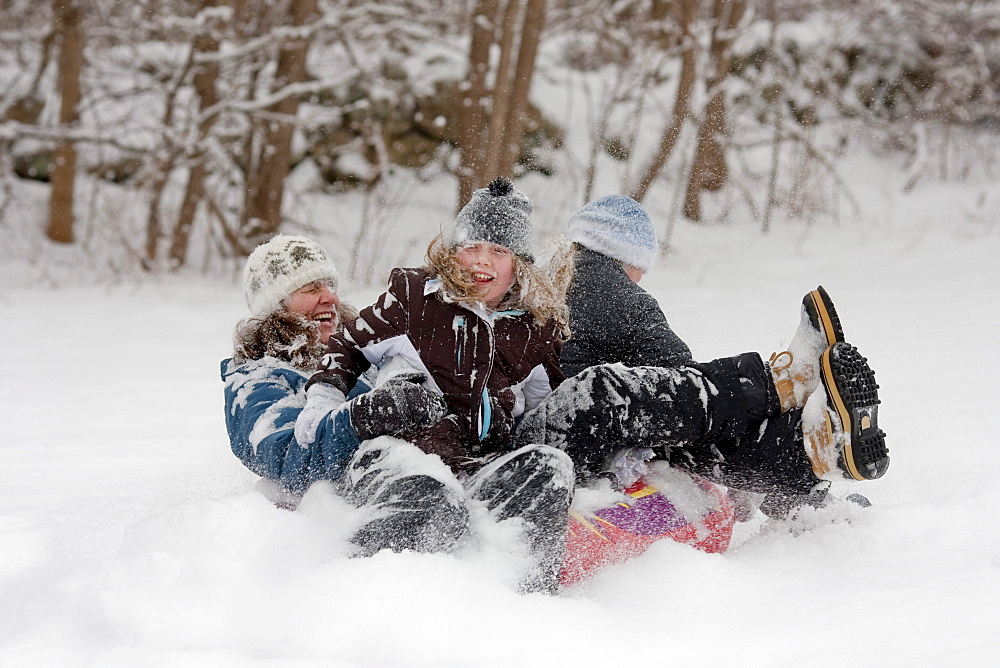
[290, 285]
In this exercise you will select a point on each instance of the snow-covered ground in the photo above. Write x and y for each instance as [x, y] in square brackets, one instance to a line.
[130, 535]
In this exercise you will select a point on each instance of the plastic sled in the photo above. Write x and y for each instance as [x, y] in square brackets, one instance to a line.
[669, 504]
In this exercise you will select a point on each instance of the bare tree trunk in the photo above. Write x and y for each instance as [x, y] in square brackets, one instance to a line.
[249, 153]
[205, 76]
[472, 114]
[502, 91]
[710, 170]
[597, 142]
[275, 155]
[772, 177]
[372, 217]
[514, 128]
[519, 36]
[194, 191]
[153, 227]
[161, 169]
[63, 178]
[682, 102]
[28, 107]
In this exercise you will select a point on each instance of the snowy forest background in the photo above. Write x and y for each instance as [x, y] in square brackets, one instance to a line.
[146, 146]
[160, 134]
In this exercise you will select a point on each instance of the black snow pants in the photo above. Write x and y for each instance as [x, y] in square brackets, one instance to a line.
[720, 420]
[417, 503]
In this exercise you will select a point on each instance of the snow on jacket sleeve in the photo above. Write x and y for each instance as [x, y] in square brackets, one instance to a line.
[345, 359]
[614, 320]
[263, 399]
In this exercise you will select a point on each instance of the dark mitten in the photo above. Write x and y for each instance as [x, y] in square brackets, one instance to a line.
[400, 407]
[448, 440]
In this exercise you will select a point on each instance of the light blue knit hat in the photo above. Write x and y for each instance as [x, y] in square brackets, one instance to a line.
[616, 226]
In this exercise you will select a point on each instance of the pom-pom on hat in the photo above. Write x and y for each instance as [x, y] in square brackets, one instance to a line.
[498, 214]
[281, 266]
[616, 226]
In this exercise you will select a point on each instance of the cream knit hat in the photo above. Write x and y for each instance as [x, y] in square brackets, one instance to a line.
[281, 266]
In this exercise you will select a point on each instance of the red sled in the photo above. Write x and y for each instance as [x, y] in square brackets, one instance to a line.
[684, 508]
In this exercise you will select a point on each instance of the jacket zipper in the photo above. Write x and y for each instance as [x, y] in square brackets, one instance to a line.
[485, 407]
[484, 412]
[460, 332]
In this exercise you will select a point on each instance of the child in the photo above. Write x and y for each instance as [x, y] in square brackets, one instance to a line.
[767, 428]
[483, 325]
[614, 244]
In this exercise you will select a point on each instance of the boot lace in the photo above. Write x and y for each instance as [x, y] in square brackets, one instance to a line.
[779, 366]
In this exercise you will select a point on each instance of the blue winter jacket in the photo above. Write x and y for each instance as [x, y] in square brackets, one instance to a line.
[263, 399]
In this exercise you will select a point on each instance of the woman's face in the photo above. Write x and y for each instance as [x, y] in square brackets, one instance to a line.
[316, 301]
[492, 268]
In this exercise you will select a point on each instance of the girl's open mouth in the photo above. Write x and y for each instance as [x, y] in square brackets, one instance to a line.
[480, 277]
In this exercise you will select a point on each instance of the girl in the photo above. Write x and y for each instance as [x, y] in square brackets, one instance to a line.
[483, 325]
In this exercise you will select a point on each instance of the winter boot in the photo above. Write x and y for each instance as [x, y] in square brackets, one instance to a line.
[781, 506]
[842, 432]
[412, 500]
[744, 507]
[535, 485]
[796, 370]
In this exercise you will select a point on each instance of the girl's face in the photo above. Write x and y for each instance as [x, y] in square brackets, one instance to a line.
[492, 269]
[316, 301]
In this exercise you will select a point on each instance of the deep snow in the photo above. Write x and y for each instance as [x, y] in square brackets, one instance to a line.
[130, 534]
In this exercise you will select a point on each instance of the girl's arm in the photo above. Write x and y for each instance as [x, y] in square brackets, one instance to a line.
[346, 352]
[544, 377]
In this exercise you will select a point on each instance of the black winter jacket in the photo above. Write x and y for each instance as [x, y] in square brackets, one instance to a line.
[612, 319]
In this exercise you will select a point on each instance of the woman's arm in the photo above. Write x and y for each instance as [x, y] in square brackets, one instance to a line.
[262, 404]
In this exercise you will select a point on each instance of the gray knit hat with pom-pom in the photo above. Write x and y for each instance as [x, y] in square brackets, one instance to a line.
[498, 214]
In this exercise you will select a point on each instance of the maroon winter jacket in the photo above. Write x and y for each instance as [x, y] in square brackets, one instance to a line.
[490, 367]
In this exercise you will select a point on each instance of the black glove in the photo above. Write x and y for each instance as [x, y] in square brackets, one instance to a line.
[400, 407]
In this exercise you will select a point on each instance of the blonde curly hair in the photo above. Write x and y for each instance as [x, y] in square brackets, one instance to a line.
[534, 289]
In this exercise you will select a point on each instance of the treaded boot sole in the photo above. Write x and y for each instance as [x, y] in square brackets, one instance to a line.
[852, 395]
[823, 316]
